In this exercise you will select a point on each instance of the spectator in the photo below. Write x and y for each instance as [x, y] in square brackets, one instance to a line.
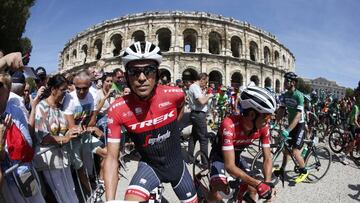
[12, 60]
[127, 91]
[118, 81]
[26, 97]
[79, 109]
[40, 81]
[51, 129]
[29, 190]
[198, 103]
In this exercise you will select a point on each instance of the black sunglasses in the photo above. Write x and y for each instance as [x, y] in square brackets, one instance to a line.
[147, 70]
[82, 88]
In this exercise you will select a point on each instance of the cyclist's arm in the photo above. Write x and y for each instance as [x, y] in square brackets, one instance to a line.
[233, 170]
[111, 166]
[295, 121]
[181, 112]
[267, 164]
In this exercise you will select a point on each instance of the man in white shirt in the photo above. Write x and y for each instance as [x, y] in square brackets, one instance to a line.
[198, 101]
[79, 109]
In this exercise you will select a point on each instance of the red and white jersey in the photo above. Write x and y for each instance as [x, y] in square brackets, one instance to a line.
[232, 135]
[152, 124]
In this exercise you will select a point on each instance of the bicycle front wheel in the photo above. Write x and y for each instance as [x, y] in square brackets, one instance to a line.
[318, 163]
[201, 175]
[257, 164]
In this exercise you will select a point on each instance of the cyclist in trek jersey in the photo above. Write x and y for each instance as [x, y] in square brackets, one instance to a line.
[235, 134]
[150, 114]
[294, 103]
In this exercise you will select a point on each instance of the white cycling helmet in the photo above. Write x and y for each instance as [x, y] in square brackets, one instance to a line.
[141, 51]
[259, 99]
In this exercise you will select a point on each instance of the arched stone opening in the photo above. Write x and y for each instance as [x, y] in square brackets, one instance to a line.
[266, 55]
[236, 46]
[284, 62]
[267, 82]
[74, 54]
[164, 39]
[214, 43]
[98, 48]
[190, 37]
[277, 86]
[215, 77]
[189, 74]
[67, 58]
[165, 76]
[236, 80]
[138, 35]
[84, 49]
[253, 51]
[116, 44]
[277, 58]
[255, 79]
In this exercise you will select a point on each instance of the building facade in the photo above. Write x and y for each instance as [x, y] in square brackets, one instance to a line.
[327, 86]
[230, 51]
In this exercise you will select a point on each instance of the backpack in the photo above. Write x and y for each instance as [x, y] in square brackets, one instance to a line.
[18, 148]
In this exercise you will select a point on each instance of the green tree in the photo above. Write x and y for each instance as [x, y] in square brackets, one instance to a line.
[13, 17]
[349, 92]
[303, 87]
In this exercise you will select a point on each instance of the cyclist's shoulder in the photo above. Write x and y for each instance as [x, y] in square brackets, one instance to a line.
[121, 102]
[232, 121]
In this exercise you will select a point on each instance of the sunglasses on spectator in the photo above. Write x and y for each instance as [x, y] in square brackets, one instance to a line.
[82, 88]
[147, 70]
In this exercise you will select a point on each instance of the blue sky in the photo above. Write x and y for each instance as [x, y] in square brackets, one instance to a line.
[324, 35]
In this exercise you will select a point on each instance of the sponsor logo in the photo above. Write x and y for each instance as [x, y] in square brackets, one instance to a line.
[110, 121]
[165, 104]
[143, 181]
[138, 110]
[127, 114]
[188, 194]
[227, 141]
[243, 141]
[117, 105]
[154, 121]
[173, 90]
[156, 140]
[227, 133]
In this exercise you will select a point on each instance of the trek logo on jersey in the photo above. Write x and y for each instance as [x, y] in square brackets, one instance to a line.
[117, 104]
[165, 104]
[155, 140]
[154, 121]
[173, 90]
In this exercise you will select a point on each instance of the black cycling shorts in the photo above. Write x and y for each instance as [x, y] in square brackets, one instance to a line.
[297, 136]
[145, 180]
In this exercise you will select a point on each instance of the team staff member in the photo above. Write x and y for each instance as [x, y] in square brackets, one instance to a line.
[294, 103]
[149, 114]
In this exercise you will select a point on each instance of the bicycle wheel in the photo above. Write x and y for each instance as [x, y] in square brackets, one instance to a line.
[257, 164]
[336, 141]
[201, 175]
[317, 163]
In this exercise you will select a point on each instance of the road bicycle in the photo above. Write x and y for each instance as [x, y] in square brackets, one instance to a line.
[317, 158]
[339, 140]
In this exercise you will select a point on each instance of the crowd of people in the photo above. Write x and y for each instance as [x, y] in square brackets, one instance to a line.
[51, 130]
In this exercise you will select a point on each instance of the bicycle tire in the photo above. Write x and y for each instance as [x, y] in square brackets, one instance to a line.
[336, 141]
[201, 175]
[257, 164]
[318, 158]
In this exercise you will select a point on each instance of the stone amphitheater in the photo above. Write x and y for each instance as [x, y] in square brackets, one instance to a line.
[232, 52]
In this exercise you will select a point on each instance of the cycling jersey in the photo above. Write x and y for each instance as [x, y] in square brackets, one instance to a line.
[294, 101]
[152, 125]
[232, 136]
[354, 114]
[221, 100]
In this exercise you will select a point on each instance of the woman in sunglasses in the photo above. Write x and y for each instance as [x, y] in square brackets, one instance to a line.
[149, 114]
[236, 133]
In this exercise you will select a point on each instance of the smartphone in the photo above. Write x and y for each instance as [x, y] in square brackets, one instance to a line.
[3, 116]
[26, 59]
